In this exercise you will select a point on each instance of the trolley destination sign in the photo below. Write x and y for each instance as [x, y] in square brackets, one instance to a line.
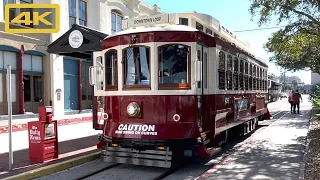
[147, 20]
[144, 21]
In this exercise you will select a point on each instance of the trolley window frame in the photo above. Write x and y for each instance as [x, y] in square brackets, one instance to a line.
[123, 61]
[175, 86]
[111, 87]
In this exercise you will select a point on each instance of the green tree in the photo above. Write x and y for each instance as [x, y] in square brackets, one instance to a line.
[297, 45]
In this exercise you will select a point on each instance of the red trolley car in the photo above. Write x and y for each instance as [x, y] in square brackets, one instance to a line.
[172, 91]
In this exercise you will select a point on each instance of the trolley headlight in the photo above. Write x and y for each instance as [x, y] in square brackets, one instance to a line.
[133, 109]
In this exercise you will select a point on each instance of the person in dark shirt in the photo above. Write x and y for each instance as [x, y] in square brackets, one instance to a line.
[296, 101]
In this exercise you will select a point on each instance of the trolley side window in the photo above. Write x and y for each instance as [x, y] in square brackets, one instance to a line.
[221, 71]
[241, 75]
[246, 76]
[258, 78]
[111, 71]
[254, 82]
[136, 67]
[236, 73]
[266, 80]
[229, 72]
[174, 66]
[250, 76]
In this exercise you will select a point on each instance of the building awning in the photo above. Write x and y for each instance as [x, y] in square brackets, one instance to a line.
[79, 42]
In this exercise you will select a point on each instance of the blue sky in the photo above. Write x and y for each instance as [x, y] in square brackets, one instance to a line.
[234, 15]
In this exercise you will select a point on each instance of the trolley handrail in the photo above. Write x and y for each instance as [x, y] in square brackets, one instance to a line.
[90, 75]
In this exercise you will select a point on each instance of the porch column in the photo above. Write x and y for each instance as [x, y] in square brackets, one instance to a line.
[20, 81]
[56, 62]
[80, 85]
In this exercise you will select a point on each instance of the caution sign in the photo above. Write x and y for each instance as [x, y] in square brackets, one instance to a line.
[137, 129]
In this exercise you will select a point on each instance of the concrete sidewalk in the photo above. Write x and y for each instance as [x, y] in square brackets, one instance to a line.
[276, 152]
[74, 141]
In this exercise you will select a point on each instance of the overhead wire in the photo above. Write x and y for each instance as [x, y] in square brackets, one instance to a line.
[259, 29]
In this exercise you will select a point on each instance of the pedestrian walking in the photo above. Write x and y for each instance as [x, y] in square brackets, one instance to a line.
[296, 101]
[290, 100]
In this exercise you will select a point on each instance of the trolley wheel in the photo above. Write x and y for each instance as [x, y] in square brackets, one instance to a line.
[223, 138]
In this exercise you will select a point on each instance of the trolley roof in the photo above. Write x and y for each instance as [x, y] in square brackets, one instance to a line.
[154, 29]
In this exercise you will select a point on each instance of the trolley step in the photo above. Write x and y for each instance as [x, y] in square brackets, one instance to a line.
[155, 158]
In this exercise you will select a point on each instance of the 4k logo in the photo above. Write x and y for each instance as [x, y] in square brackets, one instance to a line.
[42, 18]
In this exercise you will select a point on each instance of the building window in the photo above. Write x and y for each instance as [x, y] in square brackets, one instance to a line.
[32, 63]
[116, 21]
[86, 88]
[174, 65]
[72, 12]
[37, 88]
[7, 57]
[84, 79]
[1, 88]
[27, 10]
[184, 21]
[32, 80]
[209, 31]
[10, 58]
[199, 26]
[12, 12]
[111, 69]
[27, 88]
[82, 13]
[136, 66]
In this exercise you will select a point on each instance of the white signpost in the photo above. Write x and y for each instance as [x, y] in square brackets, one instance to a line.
[9, 100]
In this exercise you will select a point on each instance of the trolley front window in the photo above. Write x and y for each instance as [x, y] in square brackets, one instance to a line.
[136, 63]
[111, 72]
[174, 66]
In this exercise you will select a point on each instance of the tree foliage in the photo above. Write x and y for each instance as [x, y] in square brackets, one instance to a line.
[297, 45]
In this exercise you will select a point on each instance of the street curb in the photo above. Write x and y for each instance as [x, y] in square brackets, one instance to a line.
[305, 154]
[62, 122]
[43, 171]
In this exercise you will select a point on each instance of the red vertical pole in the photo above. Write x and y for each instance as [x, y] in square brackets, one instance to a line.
[80, 85]
[20, 81]
[95, 112]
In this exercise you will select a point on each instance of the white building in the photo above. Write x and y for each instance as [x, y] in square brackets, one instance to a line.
[44, 75]
[315, 78]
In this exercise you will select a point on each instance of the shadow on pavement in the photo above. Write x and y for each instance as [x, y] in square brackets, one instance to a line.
[282, 162]
[269, 158]
[21, 158]
[274, 152]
